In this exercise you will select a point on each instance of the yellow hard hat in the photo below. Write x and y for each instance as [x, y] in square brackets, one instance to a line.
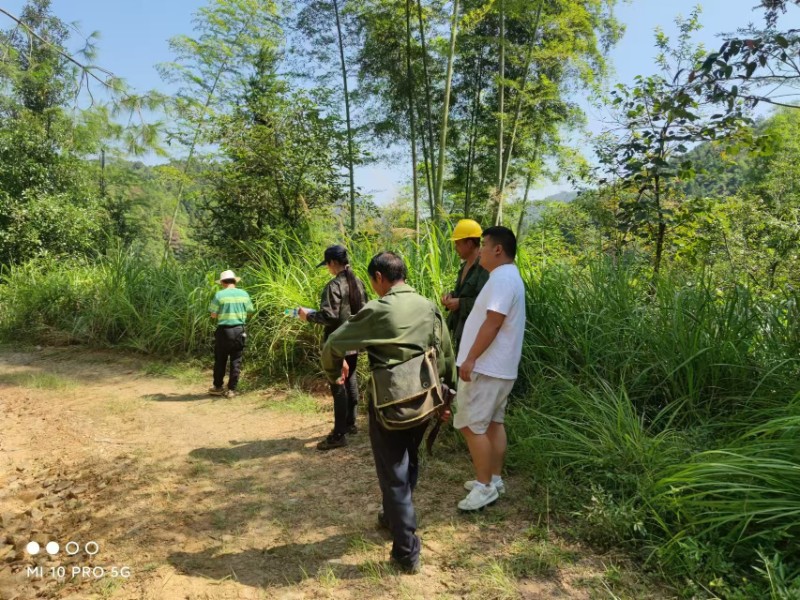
[466, 228]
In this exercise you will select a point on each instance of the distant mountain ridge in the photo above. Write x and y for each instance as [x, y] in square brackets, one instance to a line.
[565, 196]
[535, 207]
[716, 176]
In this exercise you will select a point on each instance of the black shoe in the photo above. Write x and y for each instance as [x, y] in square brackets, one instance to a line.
[352, 430]
[332, 441]
[404, 567]
[383, 522]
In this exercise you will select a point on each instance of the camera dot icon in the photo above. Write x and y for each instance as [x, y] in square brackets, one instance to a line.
[72, 548]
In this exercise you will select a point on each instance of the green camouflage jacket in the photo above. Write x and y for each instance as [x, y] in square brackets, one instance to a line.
[466, 291]
[392, 329]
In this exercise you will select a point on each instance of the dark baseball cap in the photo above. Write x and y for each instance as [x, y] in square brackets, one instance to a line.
[335, 252]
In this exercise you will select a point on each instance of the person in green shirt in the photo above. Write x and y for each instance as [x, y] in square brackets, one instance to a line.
[399, 326]
[230, 307]
[470, 281]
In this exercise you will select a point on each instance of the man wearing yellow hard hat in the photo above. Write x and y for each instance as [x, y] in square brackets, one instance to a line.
[471, 277]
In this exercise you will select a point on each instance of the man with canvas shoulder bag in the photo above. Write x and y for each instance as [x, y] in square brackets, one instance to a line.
[410, 357]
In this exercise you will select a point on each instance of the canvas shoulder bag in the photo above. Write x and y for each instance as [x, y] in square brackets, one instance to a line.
[409, 393]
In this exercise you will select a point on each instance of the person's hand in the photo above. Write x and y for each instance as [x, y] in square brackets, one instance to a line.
[345, 373]
[445, 416]
[446, 298]
[465, 370]
[453, 304]
[302, 313]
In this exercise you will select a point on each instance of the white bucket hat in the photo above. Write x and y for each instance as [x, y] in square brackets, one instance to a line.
[228, 275]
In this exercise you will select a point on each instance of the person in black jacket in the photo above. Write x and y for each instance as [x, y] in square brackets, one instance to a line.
[343, 296]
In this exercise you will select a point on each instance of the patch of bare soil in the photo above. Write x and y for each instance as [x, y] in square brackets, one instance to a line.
[154, 490]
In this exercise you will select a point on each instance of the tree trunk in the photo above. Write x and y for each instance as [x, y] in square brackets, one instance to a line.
[520, 98]
[192, 146]
[102, 172]
[426, 156]
[662, 229]
[428, 103]
[412, 120]
[773, 268]
[524, 204]
[473, 135]
[506, 160]
[347, 118]
[536, 153]
[501, 115]
[470, 164]
[446, 112]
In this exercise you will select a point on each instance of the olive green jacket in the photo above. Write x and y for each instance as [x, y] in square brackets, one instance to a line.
[466, 291]
[392, 329]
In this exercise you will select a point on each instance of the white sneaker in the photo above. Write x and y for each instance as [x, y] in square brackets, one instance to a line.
[479, 497]
[501, 487]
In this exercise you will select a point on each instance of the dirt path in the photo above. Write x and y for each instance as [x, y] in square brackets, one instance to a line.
[189, 497]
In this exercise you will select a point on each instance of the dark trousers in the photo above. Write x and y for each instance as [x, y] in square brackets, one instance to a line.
[228, 344]
[345, 399]
[397, 464]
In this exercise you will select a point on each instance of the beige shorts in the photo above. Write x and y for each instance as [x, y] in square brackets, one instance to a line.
[481, 401]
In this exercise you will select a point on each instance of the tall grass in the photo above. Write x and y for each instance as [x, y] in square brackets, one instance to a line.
[119, 300]
[665, 417]
[126, 301]
[747, 492]
[713, 351]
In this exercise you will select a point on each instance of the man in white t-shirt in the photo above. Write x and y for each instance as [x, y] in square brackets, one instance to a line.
[488, 359]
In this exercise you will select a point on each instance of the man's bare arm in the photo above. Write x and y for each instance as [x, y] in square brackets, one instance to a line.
[486, 334]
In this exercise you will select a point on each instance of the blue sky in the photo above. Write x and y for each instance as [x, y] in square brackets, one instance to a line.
[134, 35]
